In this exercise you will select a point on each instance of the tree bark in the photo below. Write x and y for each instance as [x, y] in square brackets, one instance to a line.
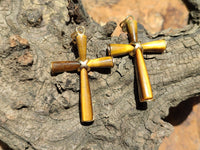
[40, 111]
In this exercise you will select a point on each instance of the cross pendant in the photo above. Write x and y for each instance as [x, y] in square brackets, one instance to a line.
[83, 65]
[136, 49]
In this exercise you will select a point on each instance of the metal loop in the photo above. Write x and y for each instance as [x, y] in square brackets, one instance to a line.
[122, 24]
[80, 30]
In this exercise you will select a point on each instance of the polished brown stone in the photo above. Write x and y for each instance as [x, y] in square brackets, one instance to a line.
[155, 15]
[186, 134]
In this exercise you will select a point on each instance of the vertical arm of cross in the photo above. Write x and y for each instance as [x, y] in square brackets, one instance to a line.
[144, 85]
[85, 96]
[81, 40]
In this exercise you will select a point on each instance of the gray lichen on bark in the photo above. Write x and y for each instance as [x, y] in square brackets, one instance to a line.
[40, 111]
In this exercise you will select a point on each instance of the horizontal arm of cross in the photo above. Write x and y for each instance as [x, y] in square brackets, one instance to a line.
[64, 66]
[103, 62]
[151, 47]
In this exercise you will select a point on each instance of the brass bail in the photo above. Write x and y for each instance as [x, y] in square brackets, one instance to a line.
[123, 24]
[80, 30]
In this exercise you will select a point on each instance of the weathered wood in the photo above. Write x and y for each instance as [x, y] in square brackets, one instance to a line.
[40, 111]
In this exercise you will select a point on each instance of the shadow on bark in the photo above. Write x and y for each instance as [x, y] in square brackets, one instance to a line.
[4, 146]
[179, 114]
[192, 6]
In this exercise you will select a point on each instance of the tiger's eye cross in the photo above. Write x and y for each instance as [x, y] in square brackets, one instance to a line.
[83, 65]
[136, 49]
